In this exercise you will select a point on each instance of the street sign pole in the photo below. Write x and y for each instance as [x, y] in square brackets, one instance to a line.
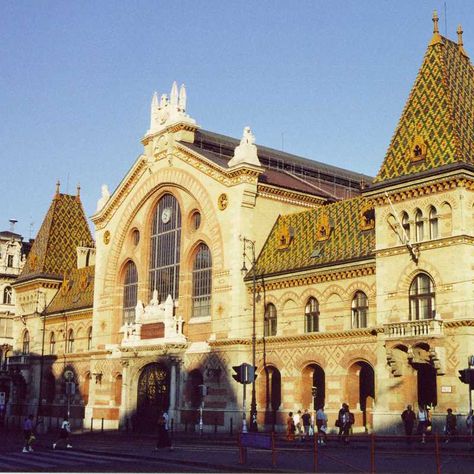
[244, 420]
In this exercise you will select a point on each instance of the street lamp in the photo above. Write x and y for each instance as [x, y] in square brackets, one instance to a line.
[249, 245]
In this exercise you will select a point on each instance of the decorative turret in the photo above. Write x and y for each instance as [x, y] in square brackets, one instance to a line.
[246, 152]
[169, 111]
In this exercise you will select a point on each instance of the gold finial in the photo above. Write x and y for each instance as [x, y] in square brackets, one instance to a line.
[460, 42]
[436, 36]
[435, 22]
[78, 195]
[58, 184]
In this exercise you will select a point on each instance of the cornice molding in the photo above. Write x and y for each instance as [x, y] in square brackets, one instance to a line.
[290, 197]
[415, 190]
[323, 276]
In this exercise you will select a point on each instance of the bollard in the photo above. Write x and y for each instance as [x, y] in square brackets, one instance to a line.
[372, 453]
[438, 464]
[102, 426]
[231, 426]
[92, 424]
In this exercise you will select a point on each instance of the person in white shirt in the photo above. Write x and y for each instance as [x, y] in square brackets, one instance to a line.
[64, 434]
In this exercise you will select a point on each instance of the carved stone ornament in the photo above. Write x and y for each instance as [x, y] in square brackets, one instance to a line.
[323, 228]
[222, 201]
[418, 149]
[367, 217]
[106, 237]
[285, 236]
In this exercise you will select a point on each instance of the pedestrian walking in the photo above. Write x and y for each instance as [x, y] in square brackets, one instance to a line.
[348, 420]
[450, 427]
[306, 421]
[28, 434]
[424, 422]
[322, 426]
[408, 417]
[340, 419]
[163, 440]
[290, 427]
[64, 432]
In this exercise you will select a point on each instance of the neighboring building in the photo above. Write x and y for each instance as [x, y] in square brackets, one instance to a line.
[13, 252]
[355, 292]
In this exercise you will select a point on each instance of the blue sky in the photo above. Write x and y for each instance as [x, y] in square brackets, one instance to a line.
[323, 79]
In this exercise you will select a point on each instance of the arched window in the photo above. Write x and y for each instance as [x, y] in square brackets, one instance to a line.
[130, 288]
[165, 248]
[406, 224]
[26, 343]
[202, 277]
[70, 341]
[270, 320]
[89, 339]
[433, 223]
[311, 315]
[419, 225]
[422, 298]
[52, 343]
[360, 307]
[7, 295]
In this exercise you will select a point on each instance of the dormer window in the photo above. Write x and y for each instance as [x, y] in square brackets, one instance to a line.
[418, 149]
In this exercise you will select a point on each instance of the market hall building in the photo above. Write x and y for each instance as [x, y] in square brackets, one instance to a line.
[357, 297]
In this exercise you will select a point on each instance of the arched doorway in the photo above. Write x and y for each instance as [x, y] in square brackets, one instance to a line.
[152, 396]
[361, 392]
[420, 360]
[313, 387]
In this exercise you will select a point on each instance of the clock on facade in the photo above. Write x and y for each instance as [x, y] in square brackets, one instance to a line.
[166, 215]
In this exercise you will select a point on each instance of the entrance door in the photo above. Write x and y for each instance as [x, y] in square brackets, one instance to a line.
[152, 397]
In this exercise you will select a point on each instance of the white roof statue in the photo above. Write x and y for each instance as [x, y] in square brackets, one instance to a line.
[103, 198]
[167, 111]
[246, 152]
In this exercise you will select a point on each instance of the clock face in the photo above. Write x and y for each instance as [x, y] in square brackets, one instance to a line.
[166, 215]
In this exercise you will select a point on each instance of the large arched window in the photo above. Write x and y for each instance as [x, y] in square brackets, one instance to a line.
[7, 295]
[26, 343]
[406, 224]
[311, 315]
[70, 341]
[165, 248]
[130, 288]
[422, 298]
[433, 223]
[202, 276]
[360, 307]
[419, 225]
[270, 320]
[52, 343]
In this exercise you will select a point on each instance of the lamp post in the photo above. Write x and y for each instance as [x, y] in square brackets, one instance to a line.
[249, 245]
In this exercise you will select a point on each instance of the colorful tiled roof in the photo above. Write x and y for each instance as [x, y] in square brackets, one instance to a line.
[332, 234]
[64, 228]
[76, 292]
[438, 117]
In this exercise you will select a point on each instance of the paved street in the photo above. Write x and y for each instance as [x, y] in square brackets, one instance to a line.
[113, 452]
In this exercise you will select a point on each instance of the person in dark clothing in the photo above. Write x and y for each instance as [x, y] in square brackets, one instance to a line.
[306, 420]
[409, 418]
[451, 423]
[340, 420]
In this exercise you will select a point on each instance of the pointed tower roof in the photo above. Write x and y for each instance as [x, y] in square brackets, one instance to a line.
[436, 129]
[64, 228]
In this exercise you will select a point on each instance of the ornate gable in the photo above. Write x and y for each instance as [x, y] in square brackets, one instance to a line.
[437, 125]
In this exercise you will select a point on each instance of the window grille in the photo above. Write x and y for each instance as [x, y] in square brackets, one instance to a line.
[360, 308]
[270, 320]
[202, 278]
[422, 298]
[130, 289]
[312, 315]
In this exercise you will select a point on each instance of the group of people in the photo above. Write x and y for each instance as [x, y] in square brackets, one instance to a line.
[301, 425]
[30, 431]
[424, 423]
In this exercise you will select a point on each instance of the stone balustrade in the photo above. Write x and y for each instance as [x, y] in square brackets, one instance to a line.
[421, 328]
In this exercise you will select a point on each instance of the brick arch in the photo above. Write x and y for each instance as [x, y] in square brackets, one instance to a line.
[353, 288]
[150, 189]
[358, 355]
[303, 362]
[308, 293]
[406, 278]
[333, 289]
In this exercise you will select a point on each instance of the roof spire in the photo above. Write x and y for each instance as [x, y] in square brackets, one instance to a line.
[78, 194]
[460, 41]
[436, 36]
[58, 184]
